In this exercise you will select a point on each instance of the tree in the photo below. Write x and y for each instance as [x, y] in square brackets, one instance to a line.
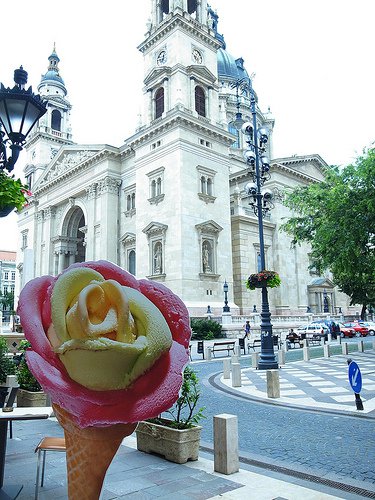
[7, 300]
[337, 218]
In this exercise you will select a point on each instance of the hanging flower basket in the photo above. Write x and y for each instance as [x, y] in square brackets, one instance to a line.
[269, 279]
[13, 194]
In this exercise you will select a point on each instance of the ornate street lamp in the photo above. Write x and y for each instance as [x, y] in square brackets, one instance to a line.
[20, 109]
[226, 308]
[261, 202]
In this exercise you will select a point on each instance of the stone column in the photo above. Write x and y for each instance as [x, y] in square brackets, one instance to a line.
[167, 98]
[49, 220]
[61, 264]
[108, 189]
[91, 193]
[38, 242]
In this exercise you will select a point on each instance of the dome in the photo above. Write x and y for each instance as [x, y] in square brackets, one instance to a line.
[230, 68]
[52, 75]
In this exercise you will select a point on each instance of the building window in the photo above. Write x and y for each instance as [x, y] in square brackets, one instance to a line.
[129, 195]
[130, 201]
[159, 102]
[200, 101]
[131, 262]
[12, 289]
[13, 275]
[156, 179]
[6, 275]
[232, 129]
[206, 184]
[56, 120]
[24, 239]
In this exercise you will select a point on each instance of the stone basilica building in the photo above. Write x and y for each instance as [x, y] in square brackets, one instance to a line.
[170, 203]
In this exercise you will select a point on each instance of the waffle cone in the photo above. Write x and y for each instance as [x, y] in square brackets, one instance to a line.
[89, 452]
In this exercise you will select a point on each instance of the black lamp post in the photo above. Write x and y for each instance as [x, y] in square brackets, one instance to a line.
[325, 302]
[20, 109]
[226, 308]
[261, 202]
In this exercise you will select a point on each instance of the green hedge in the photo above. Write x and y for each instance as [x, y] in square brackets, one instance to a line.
[205, 329]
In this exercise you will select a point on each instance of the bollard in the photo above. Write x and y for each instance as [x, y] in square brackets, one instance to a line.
[373, 344]
[207, 353]
[236, 375]
[344, 347]
[273, 384]
[234, 359]
[329, 338]
[286, 346]
[281, 357]
[306, 354]
[361, 346]
[326, 351]
[255, 360]
[339, 339]
[237, 351]
[226, 368]
[305, 343]
[226, 459]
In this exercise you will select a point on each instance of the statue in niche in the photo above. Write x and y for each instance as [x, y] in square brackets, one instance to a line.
[206, 257]
[158, 258]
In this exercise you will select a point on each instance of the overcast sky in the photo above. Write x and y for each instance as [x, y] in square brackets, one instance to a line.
[313, 64]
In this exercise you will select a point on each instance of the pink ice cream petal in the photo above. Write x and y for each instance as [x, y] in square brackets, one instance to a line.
[30, 304]
[172, 308]
[151, 394]
[148, 397]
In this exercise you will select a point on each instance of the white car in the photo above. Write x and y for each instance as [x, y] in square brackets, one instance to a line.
[370, 325]
[316, 329]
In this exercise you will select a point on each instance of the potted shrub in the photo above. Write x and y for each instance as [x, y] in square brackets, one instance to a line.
[30, 392]
[12, 194]
[176, 438]
[269, 279]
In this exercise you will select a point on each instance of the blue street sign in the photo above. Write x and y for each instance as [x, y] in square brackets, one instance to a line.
[355, 377]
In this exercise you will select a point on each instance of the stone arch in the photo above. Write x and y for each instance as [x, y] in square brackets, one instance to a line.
[70, 245]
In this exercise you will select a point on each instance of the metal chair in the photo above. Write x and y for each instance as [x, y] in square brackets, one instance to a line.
[46, 444]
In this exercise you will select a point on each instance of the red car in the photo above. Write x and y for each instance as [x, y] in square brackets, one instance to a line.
[359, 330]
[346, 331]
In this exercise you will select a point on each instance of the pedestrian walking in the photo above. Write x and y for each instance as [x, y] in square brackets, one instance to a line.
[247, 329]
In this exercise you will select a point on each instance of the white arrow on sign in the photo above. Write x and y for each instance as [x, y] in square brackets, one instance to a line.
[354, 377]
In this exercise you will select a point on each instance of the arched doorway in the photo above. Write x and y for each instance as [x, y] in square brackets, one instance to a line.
[70, 246]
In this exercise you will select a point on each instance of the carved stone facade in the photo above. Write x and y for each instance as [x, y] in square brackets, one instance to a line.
[170, 203]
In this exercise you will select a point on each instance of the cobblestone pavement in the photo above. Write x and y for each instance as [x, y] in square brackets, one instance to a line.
[338, 445]
[318, 384]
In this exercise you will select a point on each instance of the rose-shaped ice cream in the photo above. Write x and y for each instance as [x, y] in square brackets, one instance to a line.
[128, 338]
[107, 335]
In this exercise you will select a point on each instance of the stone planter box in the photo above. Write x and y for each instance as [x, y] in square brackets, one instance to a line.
[176, 445]
[28, 398]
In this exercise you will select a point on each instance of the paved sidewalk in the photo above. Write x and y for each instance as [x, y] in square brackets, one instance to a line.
[319, 384]
[139, 476]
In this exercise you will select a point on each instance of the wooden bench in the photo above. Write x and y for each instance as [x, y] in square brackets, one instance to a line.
[252, 344]
[223, 346]
[294, 341]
